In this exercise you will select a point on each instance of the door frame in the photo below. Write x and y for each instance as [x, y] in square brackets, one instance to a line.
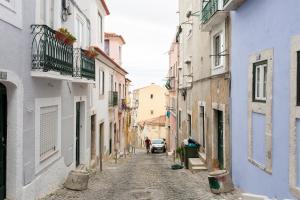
[83, 135]
[15, 108]
[93, 139]
[220, 107]
[203, 104]
[4, 138]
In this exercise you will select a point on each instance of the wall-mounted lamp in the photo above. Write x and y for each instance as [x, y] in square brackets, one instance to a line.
[191, 14]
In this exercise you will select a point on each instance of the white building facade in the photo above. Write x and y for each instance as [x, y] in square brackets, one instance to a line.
[46, 88]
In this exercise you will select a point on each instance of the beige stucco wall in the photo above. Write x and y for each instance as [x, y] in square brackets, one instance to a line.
[208, 90]
[155, 132]
[146, 104]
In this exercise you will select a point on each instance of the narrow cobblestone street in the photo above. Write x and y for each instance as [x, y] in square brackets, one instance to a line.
[143, 176]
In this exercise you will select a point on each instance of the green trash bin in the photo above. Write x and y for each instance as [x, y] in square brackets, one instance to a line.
[190, 152]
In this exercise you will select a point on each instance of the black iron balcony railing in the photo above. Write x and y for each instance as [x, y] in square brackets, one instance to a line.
[112, 98]
[50, 54]
[225, 2]
[84, 65]
[209, 10]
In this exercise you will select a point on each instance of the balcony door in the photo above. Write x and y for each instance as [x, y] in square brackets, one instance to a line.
[47, 12]
[3, 141]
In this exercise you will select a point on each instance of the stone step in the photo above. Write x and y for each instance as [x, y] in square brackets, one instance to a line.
[202, 156]
[196, 162]
[200, 168]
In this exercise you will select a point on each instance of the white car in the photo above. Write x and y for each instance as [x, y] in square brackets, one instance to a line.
[158, 145]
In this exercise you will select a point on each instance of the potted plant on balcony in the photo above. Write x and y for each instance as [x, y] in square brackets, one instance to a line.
[91, 52]
[65, 36]
[70, 39]
[60, 35]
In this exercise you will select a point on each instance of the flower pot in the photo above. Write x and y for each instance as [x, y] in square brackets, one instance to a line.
[60, 36]
[69, 41]
[90, 54]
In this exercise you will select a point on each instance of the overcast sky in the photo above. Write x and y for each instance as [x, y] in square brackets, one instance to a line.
[148, 27]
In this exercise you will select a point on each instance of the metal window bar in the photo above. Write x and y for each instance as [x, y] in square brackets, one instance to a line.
[209, 10]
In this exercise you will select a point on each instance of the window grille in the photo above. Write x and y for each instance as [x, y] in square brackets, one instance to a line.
[48, 131]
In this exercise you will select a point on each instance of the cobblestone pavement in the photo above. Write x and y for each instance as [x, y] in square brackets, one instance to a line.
[145, 177]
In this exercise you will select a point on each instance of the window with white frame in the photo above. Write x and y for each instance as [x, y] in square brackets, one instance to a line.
[106, 46]
[101, 82]
[120, 54]
[11, 12]
[48, 131]
[88, 35]
[260, 81]
[100, 28]
[217, 50]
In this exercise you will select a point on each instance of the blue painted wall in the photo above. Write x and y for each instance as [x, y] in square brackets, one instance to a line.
[259, 25]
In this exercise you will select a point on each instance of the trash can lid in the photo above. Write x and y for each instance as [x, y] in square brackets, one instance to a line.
[217, 172]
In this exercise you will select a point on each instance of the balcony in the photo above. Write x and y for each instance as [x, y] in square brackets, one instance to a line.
[212, 14]
[51, 58]
[112, 99]
[84, 69]
[232, 4]
[122, 105]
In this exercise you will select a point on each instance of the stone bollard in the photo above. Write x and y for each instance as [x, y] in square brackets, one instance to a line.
[77, 180]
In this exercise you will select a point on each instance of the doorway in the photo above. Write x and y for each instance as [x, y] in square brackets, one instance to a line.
[77, 134]
[110, 138]
[3, 140]
[101, 140]
[220, 132]
[202, 128]
[93, 140]
[190, 125]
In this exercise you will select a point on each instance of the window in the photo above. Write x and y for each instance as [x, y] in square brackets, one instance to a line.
[120, 54]
[106, 46]
[151, 96]
[298, 78]
[79, 31]
[100, 33]
[151, 112]
[179, 119]
[47, 12]
[260, 81]
[88, 36]
[123, 91]
[202, 126]
[217, 50]
[48, 131]
[190, 125]
[101, 82]
[11, 12]
[111, 83]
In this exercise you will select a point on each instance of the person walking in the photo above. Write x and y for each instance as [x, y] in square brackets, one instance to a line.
[148, 143]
